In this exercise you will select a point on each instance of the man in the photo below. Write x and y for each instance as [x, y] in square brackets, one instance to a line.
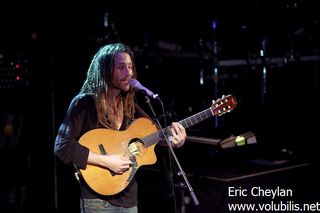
[106, 100]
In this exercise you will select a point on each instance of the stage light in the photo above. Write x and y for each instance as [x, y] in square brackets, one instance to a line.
[239, 140]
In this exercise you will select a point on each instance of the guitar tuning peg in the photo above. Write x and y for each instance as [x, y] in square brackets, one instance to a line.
[213, 101]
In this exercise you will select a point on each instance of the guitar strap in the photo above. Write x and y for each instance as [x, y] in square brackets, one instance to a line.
[77, 173]
[141, 112]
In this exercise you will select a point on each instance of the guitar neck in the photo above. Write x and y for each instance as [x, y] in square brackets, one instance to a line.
[197, 118]
[157, 136]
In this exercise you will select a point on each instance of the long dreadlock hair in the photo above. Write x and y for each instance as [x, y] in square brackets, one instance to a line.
[99, 77]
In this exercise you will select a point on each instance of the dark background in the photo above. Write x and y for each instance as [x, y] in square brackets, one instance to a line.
[48, 45]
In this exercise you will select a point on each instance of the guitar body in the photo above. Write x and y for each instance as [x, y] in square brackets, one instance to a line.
[126, 143]
[137, 143]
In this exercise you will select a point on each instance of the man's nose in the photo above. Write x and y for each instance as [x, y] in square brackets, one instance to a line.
[126, 71]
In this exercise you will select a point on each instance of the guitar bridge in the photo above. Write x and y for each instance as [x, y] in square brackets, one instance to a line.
[103, 152]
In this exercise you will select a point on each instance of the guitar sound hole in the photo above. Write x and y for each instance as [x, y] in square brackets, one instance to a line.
[136, 147]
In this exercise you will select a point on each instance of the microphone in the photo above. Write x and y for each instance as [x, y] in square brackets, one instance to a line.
[135, 84]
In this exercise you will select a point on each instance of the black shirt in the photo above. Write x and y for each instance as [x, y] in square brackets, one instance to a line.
[81, 117]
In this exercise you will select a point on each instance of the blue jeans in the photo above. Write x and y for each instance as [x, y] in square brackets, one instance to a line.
[102, 206]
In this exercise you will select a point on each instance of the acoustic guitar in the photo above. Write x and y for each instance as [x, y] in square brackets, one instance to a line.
[138, 143]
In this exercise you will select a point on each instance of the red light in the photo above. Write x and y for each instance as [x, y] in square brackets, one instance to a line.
[17, 66]
[17, 78]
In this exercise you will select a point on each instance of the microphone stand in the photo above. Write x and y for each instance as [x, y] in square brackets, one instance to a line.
[180, 172]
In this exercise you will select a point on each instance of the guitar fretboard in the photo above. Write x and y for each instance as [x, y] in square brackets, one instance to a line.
[155, 137]
[197, 118]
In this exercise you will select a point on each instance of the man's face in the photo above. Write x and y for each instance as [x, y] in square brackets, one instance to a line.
[122, 72]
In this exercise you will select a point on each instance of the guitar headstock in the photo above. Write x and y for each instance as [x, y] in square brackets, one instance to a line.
[223, 105]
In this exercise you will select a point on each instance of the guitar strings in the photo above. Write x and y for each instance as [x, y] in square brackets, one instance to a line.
[124, 149]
